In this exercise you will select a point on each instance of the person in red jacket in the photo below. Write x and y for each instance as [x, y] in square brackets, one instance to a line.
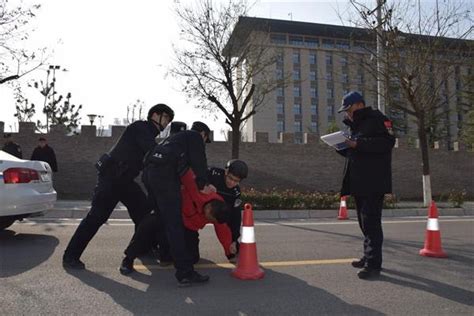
[198, 209]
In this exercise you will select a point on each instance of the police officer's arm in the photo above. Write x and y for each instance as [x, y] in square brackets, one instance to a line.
[54, 163]
[144, 136]
[34, 154]
[197, 159]
[236, 218]
[379, 142]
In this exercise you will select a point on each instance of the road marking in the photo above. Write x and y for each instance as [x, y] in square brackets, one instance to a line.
[128, 222]
[270, 264]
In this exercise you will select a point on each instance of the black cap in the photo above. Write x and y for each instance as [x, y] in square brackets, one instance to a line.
[350, 99]
[238, 168]
[177, 126]
[160, 108]
[202, 127]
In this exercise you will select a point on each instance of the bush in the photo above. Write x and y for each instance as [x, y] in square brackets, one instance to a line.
[457, 198]
[295, 200]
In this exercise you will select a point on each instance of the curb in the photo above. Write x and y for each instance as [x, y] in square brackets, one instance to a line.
[121, 213]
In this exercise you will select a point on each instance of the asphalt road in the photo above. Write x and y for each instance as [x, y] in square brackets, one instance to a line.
[301, 277]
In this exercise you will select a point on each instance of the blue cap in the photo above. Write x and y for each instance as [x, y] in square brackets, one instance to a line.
[349, 99]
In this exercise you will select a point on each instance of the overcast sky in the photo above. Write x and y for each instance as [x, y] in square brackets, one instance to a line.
[117, 52]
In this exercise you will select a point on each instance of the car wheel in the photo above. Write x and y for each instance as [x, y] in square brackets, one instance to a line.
[6, 222]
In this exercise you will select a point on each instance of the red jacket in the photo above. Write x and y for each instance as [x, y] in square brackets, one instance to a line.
[192, 209]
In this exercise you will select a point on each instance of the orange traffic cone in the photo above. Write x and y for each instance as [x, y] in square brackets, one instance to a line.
[343, 209]
[247, 265]
[433, 235]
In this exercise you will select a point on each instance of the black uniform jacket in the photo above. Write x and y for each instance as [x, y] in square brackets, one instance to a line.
[181, 151]
[45, 154]
[368, 167]
[137, 139]
[231, 198]
[13, 149]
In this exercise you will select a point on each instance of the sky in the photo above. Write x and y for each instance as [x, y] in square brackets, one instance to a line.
[117, 51]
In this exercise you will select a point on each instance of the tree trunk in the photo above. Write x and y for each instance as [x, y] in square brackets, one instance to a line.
[425, 163]
[235, 141]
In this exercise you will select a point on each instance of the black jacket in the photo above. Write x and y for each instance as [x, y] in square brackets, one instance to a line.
[179, 152]
[45, 154]
[231, 198]
[13, 149]
[368, 167]
[137, 139]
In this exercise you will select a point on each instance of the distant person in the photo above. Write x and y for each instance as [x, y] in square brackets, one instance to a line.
[116, 173]
[45, 153]
[11, 147]
[367, 175]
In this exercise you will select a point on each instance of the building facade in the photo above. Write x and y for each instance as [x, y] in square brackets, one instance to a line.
[319, 64]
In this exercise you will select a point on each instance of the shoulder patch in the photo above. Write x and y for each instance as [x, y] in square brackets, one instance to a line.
[237, 202]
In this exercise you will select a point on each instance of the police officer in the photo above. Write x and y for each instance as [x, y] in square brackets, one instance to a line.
[367, 175]
[163, 167]
[11, 147]
[227, 182]
[117, 170]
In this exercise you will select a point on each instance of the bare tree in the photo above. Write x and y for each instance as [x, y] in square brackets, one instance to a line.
[24, 110]
[220, 60]
[422, 52]
[15, 60]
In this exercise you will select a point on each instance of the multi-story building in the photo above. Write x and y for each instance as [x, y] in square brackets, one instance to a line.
[322, 62]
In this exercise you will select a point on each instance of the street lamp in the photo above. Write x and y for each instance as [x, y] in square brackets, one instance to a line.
[92, 118]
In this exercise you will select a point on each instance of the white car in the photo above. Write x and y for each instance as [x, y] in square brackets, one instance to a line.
[26, 188]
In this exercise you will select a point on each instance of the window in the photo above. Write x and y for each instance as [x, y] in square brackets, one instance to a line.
[278, 38]
[279, 92]
[296, 75]
[279, 59]
[328, 60]
[330, 93]
[298, 127]
[344, 61]
[359, 78]
[330, 111]
[345, 78]
[311, 41]
[329, 76]
[313, 92]
[280, 126]
[296, 91]
[328, 43]
[342, 44]
[296, 40]
[312, 75]
[280, 108]
[314, 127]
[296, 58]
[312, 59]
[279, 74]
[297, 109]
[314, 109]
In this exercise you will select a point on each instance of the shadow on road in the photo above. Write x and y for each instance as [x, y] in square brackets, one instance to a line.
[440, 289]
[22, 252]
[276, 294]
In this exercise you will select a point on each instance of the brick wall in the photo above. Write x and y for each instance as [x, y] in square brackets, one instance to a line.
[310, 166]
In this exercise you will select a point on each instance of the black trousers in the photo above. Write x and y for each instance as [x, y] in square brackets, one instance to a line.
[164, 187]
[369, 215]
[107, 193]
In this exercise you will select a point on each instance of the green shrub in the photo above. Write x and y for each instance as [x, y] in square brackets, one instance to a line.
[295, 200]
[457, 198]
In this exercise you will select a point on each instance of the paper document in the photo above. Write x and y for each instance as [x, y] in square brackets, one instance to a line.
[336, 140]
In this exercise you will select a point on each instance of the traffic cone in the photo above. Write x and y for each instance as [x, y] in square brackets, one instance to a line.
[247, 265]
[433, 235]
[343, 209]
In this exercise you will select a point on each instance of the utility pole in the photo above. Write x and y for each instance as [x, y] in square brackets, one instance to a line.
[380, 66]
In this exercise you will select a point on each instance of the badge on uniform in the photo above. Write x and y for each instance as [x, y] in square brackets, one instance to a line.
[237, 202]
[388, 126]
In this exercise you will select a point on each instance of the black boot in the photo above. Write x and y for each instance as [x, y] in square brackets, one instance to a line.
[359, 264]
[127, 266]
[73, 263]
[368, 273]
[194, 278]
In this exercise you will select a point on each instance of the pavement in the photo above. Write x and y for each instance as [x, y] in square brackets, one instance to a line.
[79, 209]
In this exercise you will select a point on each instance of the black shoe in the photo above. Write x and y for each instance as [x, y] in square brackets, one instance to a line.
[195, 278]
[126, 267]
[368, 273]
[72, 263]
[359, 264]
